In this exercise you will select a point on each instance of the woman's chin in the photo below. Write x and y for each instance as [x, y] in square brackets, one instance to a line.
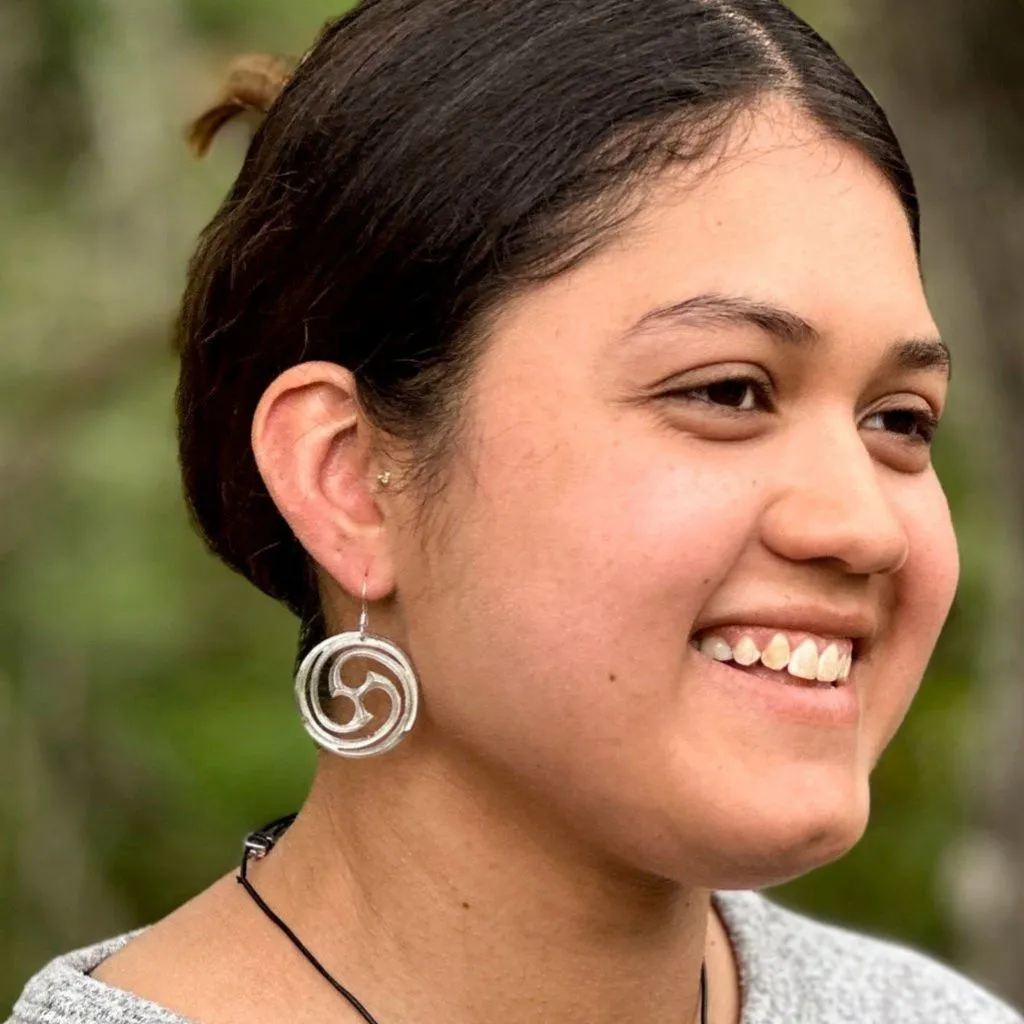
[771, 849]
[760, 838]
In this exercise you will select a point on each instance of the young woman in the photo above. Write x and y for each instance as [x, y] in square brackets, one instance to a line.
[565, 366]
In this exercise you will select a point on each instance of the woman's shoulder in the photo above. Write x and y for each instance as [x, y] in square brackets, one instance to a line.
[64, 993]
[793, 967]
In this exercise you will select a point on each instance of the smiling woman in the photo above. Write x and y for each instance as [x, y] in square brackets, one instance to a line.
[566, 368]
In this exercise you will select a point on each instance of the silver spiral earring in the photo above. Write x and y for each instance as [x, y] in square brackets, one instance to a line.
[320, 675]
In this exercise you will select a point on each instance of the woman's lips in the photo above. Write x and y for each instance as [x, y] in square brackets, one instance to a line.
[778, 694]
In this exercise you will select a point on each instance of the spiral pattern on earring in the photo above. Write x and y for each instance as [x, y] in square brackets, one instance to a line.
[324, 664]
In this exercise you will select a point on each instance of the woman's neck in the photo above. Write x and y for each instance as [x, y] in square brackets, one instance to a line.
[443, 903]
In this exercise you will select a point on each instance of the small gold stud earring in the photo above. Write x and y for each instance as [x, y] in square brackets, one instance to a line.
[384, 479]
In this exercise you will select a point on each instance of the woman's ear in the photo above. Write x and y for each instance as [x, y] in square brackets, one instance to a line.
[313, 447]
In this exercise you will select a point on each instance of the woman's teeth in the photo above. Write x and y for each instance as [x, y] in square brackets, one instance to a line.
[802, 661]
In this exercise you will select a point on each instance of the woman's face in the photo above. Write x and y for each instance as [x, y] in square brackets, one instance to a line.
[711, 435]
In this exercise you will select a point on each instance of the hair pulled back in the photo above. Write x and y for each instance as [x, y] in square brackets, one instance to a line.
[426, 159]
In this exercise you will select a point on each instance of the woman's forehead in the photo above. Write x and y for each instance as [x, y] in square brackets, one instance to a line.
[787, 220]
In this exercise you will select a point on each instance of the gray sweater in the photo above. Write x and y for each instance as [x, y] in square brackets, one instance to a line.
[792, 971]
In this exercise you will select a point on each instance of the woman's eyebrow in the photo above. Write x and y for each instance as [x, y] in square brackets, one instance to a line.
[922, 354]
[784, 325]
[730, 310]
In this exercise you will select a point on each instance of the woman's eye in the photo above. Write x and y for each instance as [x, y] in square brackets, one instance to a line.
[739, 394]
[916, 425]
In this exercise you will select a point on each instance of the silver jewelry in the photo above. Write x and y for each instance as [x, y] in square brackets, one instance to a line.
[321, 670]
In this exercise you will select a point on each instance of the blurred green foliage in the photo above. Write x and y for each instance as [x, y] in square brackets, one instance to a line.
[146, 713]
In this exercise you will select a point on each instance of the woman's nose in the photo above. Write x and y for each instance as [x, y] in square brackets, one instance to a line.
[834, 506]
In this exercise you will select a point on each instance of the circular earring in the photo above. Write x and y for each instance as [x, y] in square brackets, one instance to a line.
[320, 673]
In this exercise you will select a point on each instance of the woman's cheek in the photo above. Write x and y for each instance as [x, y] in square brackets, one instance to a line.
[925, 590]
[933, 567]
[684, 533]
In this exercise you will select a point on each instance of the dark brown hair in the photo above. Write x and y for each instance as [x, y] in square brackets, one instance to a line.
[426, 159]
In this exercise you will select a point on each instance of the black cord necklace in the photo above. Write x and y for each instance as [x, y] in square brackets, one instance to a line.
[259, 843]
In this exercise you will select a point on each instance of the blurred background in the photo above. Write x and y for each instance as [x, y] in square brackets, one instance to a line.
[146, 717]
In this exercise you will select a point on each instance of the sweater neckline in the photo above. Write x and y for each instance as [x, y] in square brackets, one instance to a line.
[66, 991]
